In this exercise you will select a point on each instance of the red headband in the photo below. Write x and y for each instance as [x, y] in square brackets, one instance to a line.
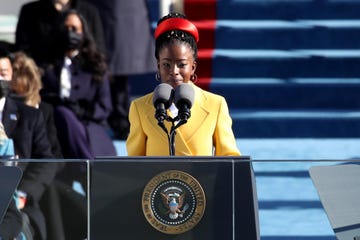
[177, 24]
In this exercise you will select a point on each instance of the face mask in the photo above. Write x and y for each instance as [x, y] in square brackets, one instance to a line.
[4, 88]
[73, 40]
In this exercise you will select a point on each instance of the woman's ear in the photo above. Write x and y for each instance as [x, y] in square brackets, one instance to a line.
[158, 65]
[194, 65]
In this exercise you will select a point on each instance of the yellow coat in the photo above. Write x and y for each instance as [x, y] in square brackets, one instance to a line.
[208, 131]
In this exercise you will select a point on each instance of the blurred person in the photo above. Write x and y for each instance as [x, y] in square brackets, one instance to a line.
[78, 88]
[37, 25]
[208, 131]
[62, 223]
[12, 216]
[25, 126]
[130, 49]
[25, 86]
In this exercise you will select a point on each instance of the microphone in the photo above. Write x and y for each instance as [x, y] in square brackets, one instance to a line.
[162, 99]
[184, 98]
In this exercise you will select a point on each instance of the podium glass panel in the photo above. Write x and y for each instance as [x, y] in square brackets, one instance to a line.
[9, 179]
[63, 202]
[338, 187]
[126, 198]
[293, 207]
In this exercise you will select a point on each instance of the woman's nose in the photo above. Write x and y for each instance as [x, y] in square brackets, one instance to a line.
[174, 69]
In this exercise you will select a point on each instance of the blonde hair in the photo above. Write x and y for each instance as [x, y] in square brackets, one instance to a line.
[26, 81]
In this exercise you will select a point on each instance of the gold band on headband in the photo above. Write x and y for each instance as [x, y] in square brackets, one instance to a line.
[177, 24]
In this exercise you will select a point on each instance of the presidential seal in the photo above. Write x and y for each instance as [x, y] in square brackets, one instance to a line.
[173, 202]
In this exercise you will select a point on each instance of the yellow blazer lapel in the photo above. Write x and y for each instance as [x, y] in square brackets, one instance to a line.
[183, 144]
[153, 126]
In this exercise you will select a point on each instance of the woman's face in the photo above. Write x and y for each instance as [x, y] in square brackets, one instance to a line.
[73, 23]
[176, 63]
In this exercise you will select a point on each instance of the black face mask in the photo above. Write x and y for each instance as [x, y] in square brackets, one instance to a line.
[73, 40]
[4, 88]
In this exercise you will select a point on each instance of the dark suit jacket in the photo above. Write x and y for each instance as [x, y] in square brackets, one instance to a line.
[25, 125]
[36, 29]
[48, 113]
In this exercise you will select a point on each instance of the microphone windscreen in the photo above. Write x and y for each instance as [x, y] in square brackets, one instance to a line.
[163, 93]
[184, 93]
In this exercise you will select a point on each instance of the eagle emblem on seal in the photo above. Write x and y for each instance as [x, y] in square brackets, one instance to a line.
[174, 203]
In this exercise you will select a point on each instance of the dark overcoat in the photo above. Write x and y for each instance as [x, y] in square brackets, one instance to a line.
[88, 95]
[25, 125]
[37, 26]
[128, 36]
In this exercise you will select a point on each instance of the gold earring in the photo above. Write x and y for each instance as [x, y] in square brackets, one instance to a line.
[193, 78]
[157, 77]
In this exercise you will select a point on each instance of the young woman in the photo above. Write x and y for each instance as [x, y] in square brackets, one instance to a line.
[78, 88]
[208, 131]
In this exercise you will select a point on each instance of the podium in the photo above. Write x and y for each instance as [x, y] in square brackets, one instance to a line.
[338, 187]
[173, 198]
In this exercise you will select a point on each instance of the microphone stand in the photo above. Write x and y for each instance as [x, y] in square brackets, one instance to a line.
[171, 135]
[162, 125]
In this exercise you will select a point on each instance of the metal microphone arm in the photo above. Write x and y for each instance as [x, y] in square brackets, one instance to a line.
[173, 133]
[171, 136]
[171, 148]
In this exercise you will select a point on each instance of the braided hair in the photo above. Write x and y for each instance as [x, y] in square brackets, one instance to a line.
[175, 35]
